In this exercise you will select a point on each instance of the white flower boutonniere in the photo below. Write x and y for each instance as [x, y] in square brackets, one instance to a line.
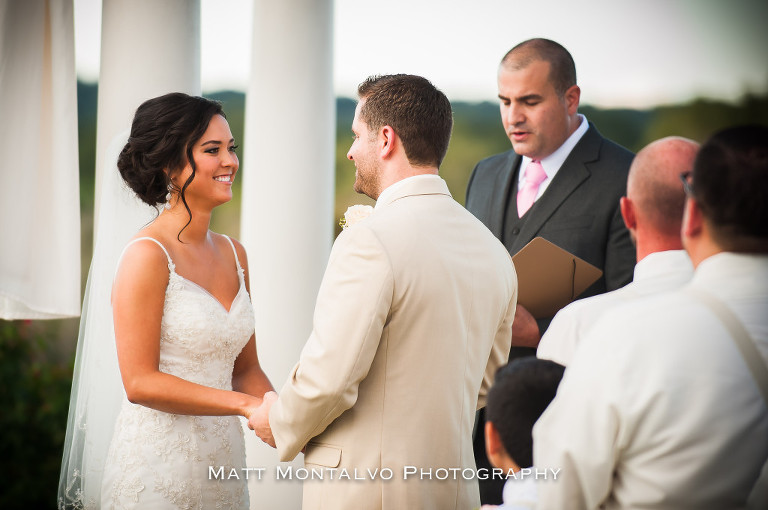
[354, 214]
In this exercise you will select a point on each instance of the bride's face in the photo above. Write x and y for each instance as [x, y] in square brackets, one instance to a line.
[216, 163]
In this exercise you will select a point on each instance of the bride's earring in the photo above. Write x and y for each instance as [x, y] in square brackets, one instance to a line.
[168, 196]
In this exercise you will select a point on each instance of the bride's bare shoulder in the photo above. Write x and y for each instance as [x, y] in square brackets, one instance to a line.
[144, 257]
[221, 240]
[142, 275]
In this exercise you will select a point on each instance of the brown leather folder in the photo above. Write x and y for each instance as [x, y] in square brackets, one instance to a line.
[549, 277]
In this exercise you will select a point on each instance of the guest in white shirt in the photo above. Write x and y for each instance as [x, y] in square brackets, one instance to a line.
[660, 408]
[653, 213]
[520, 393]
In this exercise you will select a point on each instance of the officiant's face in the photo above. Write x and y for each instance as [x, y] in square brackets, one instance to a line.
[363, 154]
[216, 163]
[536, 118]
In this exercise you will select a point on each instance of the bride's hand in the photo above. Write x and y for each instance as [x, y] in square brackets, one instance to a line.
[258, 420]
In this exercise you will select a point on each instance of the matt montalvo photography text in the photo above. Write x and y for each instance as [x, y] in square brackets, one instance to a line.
[408, 473]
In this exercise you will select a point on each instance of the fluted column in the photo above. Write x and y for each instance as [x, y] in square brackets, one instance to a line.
[288, 183]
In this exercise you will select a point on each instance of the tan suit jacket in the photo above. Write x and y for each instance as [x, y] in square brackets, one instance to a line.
[413, 317]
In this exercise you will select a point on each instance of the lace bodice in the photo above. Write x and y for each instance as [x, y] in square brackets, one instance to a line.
[199, 338]
[162, 460]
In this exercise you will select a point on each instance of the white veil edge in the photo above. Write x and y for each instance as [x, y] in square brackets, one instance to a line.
[97, 390]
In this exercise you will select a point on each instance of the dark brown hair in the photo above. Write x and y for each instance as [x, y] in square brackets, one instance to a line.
[163, 133]
[419, 113]
[521, 392]
[730, 184]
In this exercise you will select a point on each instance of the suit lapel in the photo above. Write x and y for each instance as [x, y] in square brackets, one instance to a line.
[570, 176]
[498, 198]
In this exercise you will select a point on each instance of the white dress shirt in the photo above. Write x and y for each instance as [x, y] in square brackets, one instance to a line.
[552, 163]
[656, 273]
[658, 408]
[519, 494]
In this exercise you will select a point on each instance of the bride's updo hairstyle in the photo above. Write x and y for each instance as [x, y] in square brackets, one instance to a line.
[163, 133]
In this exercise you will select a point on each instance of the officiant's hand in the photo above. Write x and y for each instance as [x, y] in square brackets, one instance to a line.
[258, 421]
[525, 329]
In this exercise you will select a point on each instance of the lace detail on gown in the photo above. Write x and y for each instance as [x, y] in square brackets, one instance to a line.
[162, 460]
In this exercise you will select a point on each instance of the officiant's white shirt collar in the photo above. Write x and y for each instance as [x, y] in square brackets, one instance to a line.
[554, 161]
[392, 189]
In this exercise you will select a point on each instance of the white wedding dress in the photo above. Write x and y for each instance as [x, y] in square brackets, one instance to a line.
[160, 460]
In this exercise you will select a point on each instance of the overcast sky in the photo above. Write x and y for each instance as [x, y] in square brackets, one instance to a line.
[631, 53]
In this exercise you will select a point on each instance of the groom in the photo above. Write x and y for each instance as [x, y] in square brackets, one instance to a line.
[413, 317]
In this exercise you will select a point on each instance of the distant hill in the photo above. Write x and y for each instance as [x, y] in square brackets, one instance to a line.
[477, 134]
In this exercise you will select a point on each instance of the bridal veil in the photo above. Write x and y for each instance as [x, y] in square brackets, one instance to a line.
[97, 389]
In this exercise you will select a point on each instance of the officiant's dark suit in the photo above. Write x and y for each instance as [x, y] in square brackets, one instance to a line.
[578, 208]
[579, 211]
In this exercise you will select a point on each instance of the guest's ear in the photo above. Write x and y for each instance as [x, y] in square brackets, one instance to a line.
[693, 220]
[493, 446]
[628, 213]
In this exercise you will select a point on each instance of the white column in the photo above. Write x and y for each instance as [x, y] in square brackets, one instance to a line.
[39, 177]
[148, 48]
[288, 182]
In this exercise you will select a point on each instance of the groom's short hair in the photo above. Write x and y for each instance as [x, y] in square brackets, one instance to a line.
[418, 112]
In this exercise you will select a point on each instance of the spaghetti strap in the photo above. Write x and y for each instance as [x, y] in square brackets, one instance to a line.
[171, 265]
[237, 260]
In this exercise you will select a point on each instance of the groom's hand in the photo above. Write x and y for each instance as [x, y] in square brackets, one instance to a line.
[259, 419]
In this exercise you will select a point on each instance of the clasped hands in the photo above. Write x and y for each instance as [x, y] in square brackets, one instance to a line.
[258, 420]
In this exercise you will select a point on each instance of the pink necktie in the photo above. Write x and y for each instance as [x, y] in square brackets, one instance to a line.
[534, 176]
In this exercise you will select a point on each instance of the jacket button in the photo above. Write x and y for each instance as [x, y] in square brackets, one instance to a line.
[515, 231]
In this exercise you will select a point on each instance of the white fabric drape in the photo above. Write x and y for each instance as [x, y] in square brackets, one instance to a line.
[39, 175]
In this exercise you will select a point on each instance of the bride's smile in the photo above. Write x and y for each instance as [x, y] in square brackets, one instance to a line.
[215, 160]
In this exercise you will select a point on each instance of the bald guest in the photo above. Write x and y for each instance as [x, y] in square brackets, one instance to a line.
[653, 213]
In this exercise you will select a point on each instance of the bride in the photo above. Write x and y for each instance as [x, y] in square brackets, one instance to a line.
[183, 326]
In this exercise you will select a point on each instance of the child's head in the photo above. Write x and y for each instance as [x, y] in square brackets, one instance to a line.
[520, 393]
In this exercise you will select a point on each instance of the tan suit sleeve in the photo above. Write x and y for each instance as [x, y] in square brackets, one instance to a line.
[352, 306]
[502, 343]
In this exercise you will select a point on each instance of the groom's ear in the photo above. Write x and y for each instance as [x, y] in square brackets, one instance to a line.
[387, 142]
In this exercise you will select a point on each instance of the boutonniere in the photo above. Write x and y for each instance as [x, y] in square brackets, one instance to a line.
[354, 214]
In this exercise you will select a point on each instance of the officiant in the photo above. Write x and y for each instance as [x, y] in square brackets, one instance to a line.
[562, 181]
